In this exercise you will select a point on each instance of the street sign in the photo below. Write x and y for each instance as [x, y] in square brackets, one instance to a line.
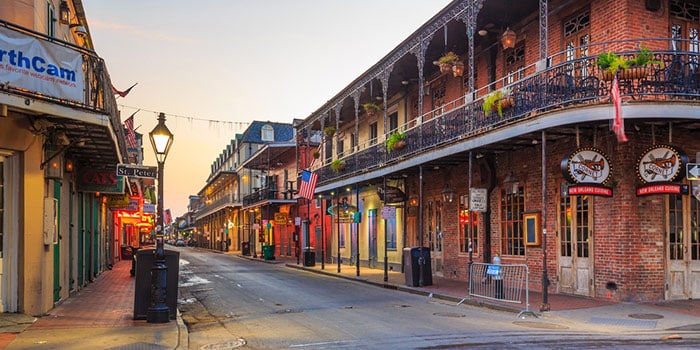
[150, 172]
[692, 171]
[478, 199]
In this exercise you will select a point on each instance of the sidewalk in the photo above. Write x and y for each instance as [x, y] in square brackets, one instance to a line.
[97, 317]
[575, 312]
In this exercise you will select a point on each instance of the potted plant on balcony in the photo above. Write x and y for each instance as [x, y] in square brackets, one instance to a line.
[396, 141]
[329, 131]
[446, 62]
[371, 108]
[635, 68]
[316, 154]
[337, 165]
[497, 101]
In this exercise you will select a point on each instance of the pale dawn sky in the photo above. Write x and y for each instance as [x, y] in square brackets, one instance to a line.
[234, 61]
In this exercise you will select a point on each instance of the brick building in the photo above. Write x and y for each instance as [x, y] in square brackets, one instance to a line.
[514, 147]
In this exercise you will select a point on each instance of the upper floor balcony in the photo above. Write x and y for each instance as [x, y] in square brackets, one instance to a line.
[208, 207]
[271, 194]
[565, 92]
[68, 85]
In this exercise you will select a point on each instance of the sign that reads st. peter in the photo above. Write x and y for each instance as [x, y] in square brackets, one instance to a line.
[150, 172]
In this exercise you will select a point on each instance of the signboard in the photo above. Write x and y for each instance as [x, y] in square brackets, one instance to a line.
[103, 181]
[662, 189]
[392, 195]
[661, 163]
[388, 213]
[692, 171]
[586, 165]
[588, 190]
[150, 172]
[41, 66]
[478, 199]
[117, 201]
[280, 218]
[493, 270]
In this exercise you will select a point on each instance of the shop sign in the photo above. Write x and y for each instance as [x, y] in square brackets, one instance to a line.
[280, 218]
[117, 201]
[388, 213]
[589, 190]
[392, 195]
[586, 165]
[662, 189]
[661, 163]
[149, 208]
[478, 199]
[103, 181]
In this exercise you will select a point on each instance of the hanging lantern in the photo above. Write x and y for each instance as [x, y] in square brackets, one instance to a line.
[458, 69]
[508, 39]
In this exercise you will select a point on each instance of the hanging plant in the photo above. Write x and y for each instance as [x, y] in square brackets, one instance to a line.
[446, 62]
[337, 165]
[396, 141]
[329, 131]
[371, 108]
[497, 101]
[316, 154]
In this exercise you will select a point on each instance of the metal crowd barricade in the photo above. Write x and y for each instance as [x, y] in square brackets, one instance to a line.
[503, 283]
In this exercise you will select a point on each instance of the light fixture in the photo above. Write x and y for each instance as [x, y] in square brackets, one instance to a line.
[458, 69]
[69, 166]
[161, 139]
[54, 166]
[447, 194]
[79, 30]
[508, 39]
[64, 13]
[483, 32]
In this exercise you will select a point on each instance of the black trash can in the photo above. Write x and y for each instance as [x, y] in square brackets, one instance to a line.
[309, 257]
[142, 289]
[245, 248]
[412, 269]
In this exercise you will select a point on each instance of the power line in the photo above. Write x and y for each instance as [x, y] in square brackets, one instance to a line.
[191, 119]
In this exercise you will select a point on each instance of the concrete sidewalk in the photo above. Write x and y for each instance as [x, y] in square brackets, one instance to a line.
[100, 316]
[575, 312]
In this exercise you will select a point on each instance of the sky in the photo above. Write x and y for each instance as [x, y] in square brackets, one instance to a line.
[213, 66]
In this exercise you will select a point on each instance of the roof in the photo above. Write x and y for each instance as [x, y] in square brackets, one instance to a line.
[283, 132]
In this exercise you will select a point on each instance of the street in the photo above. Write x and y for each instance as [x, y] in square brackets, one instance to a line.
[228, 301]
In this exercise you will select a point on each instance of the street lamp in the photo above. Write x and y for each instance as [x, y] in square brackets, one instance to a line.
[158, 312]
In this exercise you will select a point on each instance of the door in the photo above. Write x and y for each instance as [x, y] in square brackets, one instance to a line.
[372, 237]
[576, 245]
[683, 248]
[435, 235]
[9, 231]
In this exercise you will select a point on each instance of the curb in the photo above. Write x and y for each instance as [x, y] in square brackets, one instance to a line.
[413, 290]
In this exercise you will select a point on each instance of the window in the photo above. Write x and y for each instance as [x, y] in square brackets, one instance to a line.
[391, 234]
[353, 142]
[574, 218]
[373, 133]
[468, 226]
[512, 207]
[341, 234]
[340, 146]
[393, 121]
[515, 62]
[267, 133]
[685, 16]
[577, 38]
[50, 20]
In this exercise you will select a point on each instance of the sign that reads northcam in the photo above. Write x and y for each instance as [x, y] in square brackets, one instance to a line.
[150, 172]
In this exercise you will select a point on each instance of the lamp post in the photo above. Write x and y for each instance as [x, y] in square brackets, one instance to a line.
[158, 312]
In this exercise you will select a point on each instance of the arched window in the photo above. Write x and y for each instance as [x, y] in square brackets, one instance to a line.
[267, 133]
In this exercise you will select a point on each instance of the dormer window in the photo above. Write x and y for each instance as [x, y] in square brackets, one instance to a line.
[267, 133]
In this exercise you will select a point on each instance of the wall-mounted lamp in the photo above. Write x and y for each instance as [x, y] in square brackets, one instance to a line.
[413, 201]
[510, 184]
[79, 30]
[458, 69]
[508, 39]
[69, 167]
[64, 13]
[53, 169]
[447, 194]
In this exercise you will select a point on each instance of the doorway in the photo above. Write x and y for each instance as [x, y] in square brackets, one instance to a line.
[683, 247]
[576, 245]
[435, 235]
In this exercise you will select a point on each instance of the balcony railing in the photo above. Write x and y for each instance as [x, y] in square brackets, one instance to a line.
[567, 84]
[229, 200]
[268, 193]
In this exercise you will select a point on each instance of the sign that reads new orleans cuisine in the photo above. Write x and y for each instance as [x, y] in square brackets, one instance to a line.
[658, 166]
[588, 169]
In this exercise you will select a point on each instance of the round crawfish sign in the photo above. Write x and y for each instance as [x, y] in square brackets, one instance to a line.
[587, 165]
[661, 163]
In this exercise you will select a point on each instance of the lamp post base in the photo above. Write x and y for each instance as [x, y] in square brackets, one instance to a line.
[158, 312]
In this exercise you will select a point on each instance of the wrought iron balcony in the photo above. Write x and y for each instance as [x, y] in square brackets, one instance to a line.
[230, 200]
[266, 194]
[566, 84]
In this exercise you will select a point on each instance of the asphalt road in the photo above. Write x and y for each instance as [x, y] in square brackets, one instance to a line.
[229, 302]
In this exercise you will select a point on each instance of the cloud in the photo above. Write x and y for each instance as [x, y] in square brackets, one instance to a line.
[138, 32]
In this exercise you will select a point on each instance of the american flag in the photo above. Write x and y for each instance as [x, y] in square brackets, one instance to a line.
[122, 93]
[130, 133]
[618, 124]
[308, 184]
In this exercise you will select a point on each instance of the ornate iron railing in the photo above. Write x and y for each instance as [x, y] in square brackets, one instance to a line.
[566, 84]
